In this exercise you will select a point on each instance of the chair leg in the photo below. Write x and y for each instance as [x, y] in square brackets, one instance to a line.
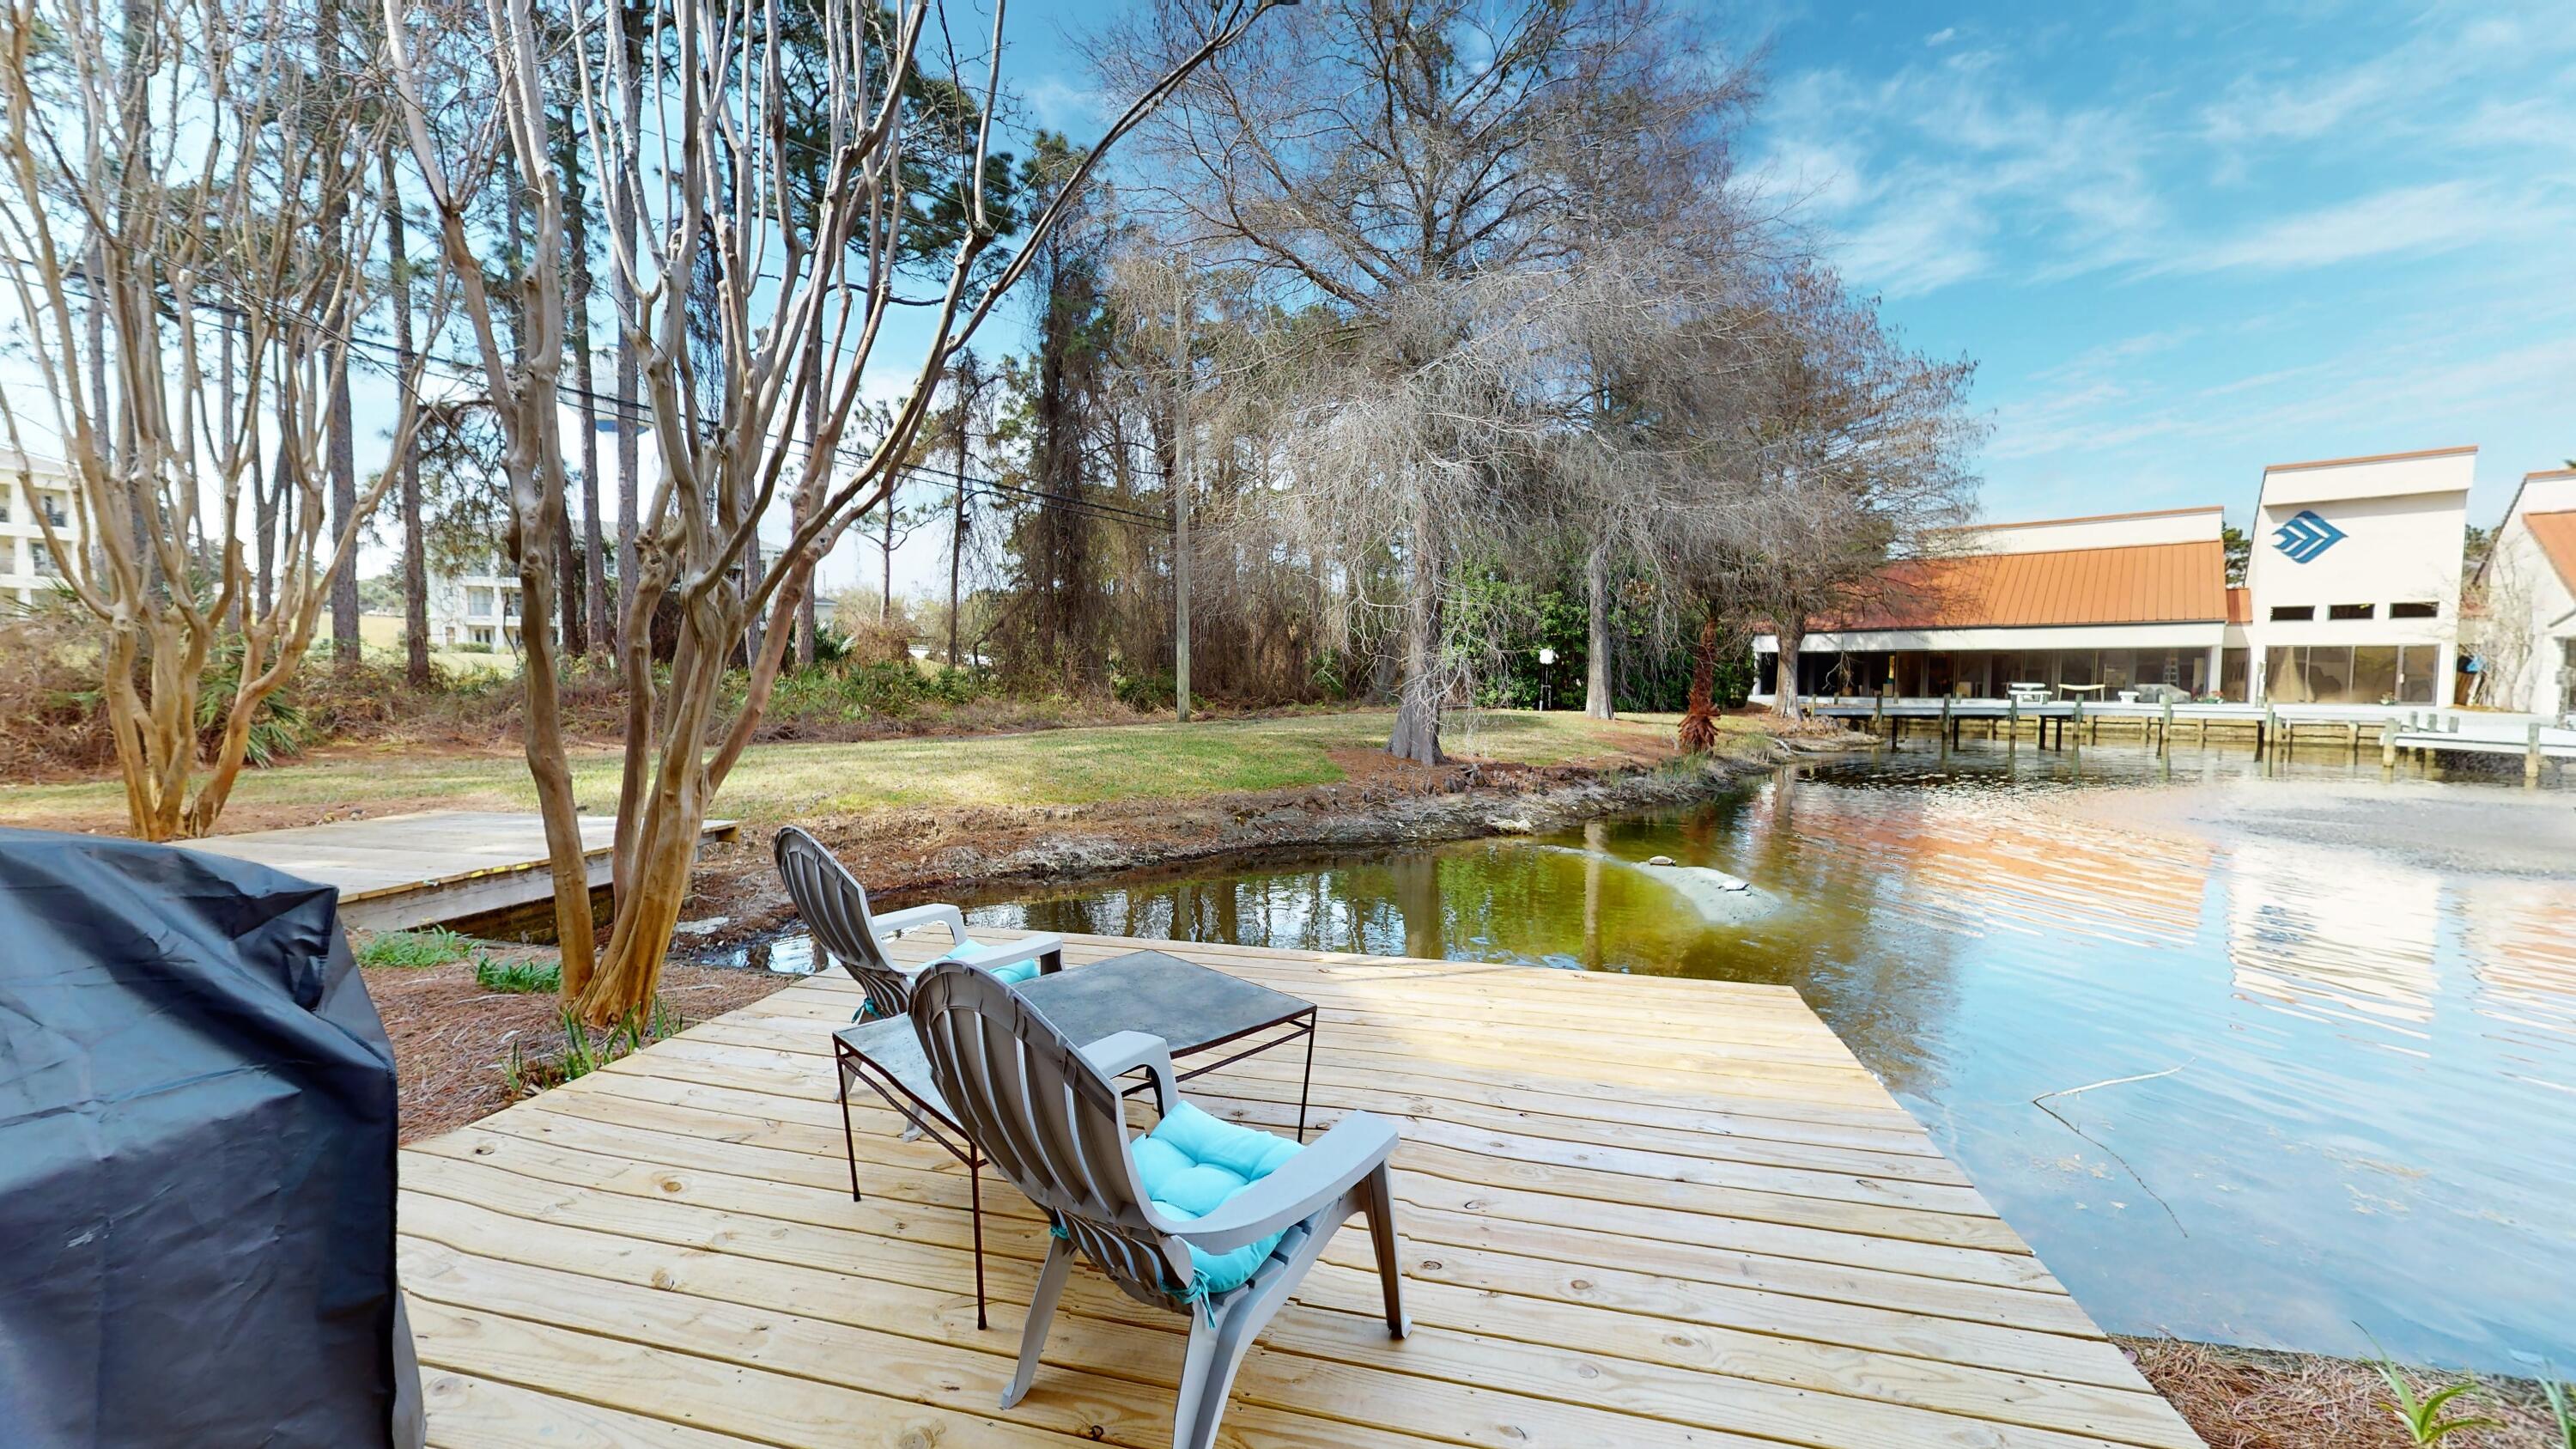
[1033, 1334]
[1236, 1327]
[1193, 1418]
[849, 1139]
[1378, 1200]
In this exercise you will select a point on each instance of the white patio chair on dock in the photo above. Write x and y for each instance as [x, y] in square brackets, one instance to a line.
[1199, 1216]
[835, 908]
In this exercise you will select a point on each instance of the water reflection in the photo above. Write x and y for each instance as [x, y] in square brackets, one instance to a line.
[2367, 1051]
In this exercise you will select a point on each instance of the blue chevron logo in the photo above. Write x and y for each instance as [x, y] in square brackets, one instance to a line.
[2306, 536]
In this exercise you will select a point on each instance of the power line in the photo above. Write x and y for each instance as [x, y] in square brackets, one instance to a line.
[624, 410]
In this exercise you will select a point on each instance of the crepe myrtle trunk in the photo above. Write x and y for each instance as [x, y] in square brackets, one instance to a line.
[1597, 701]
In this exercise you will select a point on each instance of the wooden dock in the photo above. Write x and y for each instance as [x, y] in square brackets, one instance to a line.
[436, 866]
[2159, 726]
[1635, 1211]
[2533, 743]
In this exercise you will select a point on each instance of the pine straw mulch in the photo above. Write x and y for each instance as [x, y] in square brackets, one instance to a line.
[2242, 1398]
[452, 1038]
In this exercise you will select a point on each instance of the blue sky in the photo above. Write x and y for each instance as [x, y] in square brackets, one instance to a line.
[2187, 240]
[2181, 240]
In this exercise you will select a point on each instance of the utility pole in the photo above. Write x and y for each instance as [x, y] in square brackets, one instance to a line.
[1181, 486]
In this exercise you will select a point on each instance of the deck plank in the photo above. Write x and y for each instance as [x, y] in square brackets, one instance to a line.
[1635, 1211]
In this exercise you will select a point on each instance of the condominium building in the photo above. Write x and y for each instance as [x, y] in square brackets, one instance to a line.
[476, 609]
[28, 568]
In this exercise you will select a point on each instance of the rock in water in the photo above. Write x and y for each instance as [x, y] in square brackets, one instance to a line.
[1659, 860]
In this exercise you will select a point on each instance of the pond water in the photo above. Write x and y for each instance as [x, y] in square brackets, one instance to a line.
[2349, 1005]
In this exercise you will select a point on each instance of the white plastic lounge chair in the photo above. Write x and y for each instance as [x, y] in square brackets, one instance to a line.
[1200, 1216]
[835, 908]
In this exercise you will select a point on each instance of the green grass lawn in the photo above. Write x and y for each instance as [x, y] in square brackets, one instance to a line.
[799, 781]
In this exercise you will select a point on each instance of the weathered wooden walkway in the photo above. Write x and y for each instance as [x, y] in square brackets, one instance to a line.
[399, 871]
[1635, 1212]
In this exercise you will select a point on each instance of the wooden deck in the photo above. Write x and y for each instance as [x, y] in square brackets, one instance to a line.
[399, 871]
[1635, 1212]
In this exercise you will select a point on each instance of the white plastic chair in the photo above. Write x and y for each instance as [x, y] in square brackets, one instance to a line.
[1046, 1113]
[835, 908]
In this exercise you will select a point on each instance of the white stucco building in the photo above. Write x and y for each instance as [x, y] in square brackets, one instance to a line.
[2527, 585]
[2354, 578]
[28, 568]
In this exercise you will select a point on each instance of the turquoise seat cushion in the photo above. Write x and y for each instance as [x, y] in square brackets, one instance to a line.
[1011, 975]
[1191, 1163]
[1014, 973]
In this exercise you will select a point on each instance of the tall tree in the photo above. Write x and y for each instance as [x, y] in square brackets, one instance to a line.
[626, 217]
[1395, 166]
[1063, 640]
[590, 558]
[720, 473]
[208, 188]
[415, 559]
[333, 39]
[1860, 450]
[967, 386]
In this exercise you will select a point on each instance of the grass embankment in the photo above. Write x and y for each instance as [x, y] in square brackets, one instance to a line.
[782, 782]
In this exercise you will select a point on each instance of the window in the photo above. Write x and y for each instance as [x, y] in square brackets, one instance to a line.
[40, 560]
[2414, 611]
[478, 605]
[2231, 673]
[2292, 613]
[2352, 611]
[2352, 674]
[2415, 680]
[482, 634]
[54, 513]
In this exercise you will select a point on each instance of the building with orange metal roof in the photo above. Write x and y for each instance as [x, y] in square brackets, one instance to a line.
[2352, 595]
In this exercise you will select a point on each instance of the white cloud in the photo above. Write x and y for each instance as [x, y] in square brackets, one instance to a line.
[1925, 175]
[1060, 105]
[1970, 165]
[1942, 36]
[2401, 221]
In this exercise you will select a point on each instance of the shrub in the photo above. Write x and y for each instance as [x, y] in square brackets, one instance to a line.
[873, 641]
[525, 978]
[433, 947]
[1149, 692]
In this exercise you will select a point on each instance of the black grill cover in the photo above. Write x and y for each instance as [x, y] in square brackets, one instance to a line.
[197, 1132]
